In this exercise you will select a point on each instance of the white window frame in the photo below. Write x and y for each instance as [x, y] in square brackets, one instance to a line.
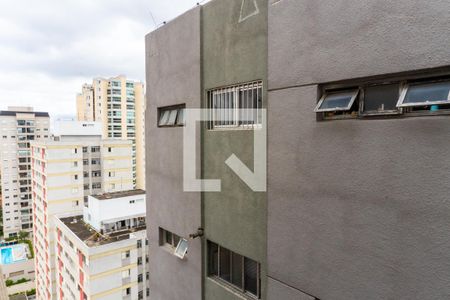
[406, 87]
[355, 93]
[178, 250]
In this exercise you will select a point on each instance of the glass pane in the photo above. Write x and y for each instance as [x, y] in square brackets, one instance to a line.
[172, 117]
[213, 259]
[337, 100]
[164, 118]
[216, 107]
[225, 264]
[381, 97]
[182, 248]
[429, 92]
[168, 238]
[181, 118]
[251, 276]
[176, 239]
[237, 261]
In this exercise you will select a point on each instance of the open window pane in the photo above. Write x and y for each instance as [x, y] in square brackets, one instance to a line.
[337, 101]
[381, 97]
[164, 118]
[427, 94]
[225, 264]
[251, 276]
[182, 248]
[181, 117]
[172, 117]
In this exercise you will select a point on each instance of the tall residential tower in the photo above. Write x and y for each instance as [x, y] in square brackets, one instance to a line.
[19, 126]
[119, 104]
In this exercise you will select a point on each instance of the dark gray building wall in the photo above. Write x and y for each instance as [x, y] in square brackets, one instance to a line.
[357, 209]
[173, 77]
[319, 41]
[234, 52]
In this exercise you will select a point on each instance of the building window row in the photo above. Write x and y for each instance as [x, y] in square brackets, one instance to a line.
[397, 97]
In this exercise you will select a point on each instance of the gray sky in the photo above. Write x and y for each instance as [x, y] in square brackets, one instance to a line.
[49, 48]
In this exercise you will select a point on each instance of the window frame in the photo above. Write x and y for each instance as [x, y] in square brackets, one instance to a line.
[404, 82]
[408, 84]
[356, 93]
[169, 110]
[217, 277]
[371, 113]
[235, 89]
[178, 253]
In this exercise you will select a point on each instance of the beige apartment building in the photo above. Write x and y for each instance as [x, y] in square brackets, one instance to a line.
[65, 171]
[119, 104]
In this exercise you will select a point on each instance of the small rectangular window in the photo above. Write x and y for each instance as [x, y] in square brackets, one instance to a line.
[381, 98]
[233, 269]
[235, 106]
[171, 116]
[337, 101]
[425, 94]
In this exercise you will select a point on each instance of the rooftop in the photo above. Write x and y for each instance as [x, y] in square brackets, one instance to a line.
[93, 238]
[13, 113]
[121, 194]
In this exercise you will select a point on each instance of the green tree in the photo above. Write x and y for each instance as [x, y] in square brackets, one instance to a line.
[23, 235]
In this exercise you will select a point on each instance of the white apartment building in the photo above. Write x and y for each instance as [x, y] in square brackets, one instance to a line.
[19, 126]
[102, 253]
[76, 163]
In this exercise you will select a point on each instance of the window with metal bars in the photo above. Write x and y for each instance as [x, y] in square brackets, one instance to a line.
[238, 106]
[234, 269]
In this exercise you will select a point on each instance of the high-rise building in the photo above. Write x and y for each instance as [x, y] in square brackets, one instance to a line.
[358, 102]
[65, 171]
[19, 126]
[102, 253]
[119, 104]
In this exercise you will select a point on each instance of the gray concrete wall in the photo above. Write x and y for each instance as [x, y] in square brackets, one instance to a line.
[358, 209]
[234, 52]
[319, 41]
[173, 77]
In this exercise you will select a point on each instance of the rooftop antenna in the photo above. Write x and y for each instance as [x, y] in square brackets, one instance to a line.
[153, 18]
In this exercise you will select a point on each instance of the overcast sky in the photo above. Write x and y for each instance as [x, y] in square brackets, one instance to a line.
[49, 48]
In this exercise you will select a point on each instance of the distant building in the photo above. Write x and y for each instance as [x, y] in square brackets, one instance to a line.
[19, 126]
[102, 254]
[65, 171]
[119, 104]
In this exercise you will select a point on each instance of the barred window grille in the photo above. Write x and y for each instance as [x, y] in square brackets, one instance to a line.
[235, 106]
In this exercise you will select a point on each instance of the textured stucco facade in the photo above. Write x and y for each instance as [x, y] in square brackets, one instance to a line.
[357, 209]
[173, 77]
[234, 51]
